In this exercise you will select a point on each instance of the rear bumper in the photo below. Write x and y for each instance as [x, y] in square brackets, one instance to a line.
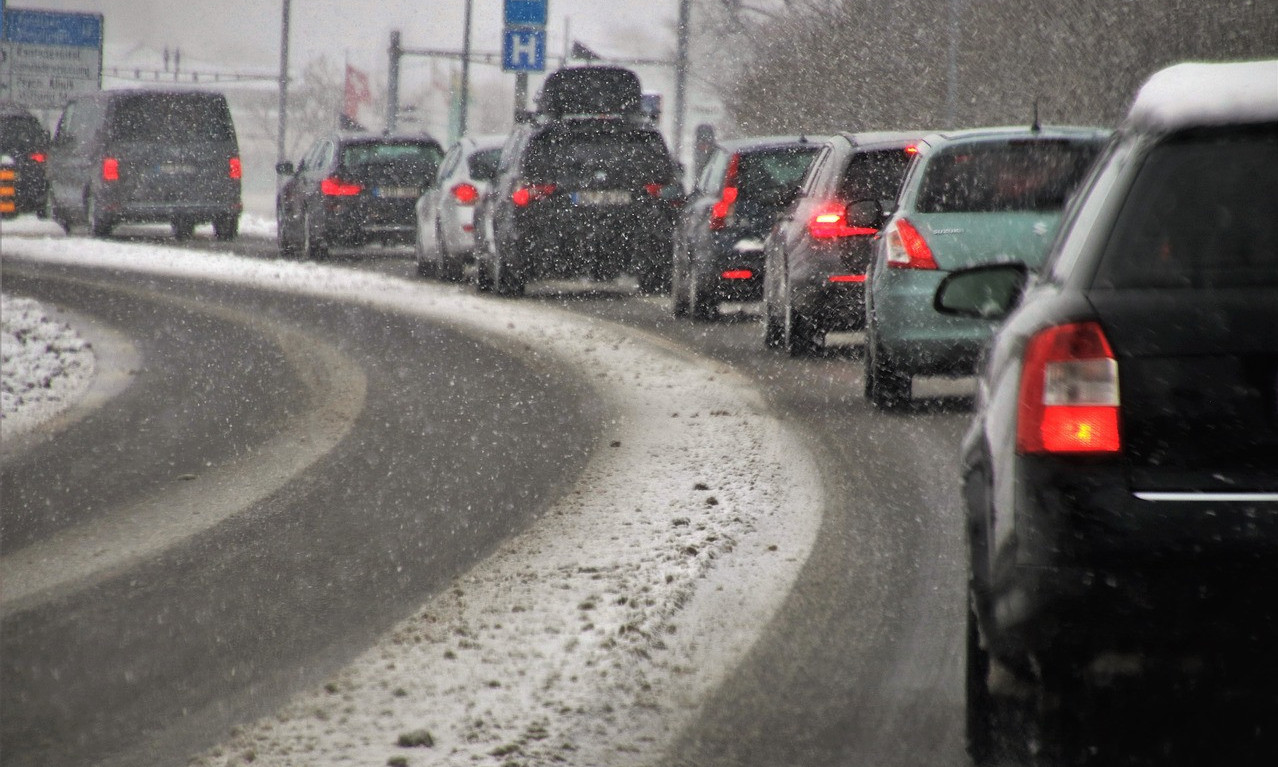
[730, 265]
[914, 337]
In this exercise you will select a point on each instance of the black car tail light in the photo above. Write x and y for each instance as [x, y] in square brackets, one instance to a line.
[527, 193]
[723, 208]
[1069, 399]
[335, 187]
[464, 193]
[110, 169]
[830, 221]
[906, 248]
[234, 169]
[37, 157]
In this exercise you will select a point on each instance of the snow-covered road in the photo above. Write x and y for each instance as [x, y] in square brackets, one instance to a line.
[590, 638]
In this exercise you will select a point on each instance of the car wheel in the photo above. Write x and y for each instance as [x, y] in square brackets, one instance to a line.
[287, 248]
[226, 227]
[772, 328]
[678, 290]
[313, 245]
[99, 224]
[447, 269]
[797, 336]
[1055, 717]
[425, 266]
[701, 305]
[507, 281]
[57, 215]
[885, 386]
[183, 228]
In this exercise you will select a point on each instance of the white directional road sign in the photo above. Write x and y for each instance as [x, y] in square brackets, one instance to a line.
[47, 57]
[523, 49]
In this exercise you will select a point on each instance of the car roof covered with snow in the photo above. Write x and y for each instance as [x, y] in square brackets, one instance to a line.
[1198, 94]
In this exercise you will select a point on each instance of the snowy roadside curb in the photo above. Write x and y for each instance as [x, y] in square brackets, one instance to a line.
[591, 638]
[47, 365]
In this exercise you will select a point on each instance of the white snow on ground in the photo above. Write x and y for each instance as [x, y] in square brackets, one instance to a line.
[590, 638]
[45, 366]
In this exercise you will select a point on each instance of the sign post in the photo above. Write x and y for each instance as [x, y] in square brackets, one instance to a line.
[523, 44]
[47, 58]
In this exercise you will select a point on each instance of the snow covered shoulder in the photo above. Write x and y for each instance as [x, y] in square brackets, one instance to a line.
[591, 638]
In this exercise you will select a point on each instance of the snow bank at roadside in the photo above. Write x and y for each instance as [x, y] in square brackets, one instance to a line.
[45, 366]
[590, 638]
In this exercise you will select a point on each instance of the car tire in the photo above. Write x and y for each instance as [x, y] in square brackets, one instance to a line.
[885, 387]
[313, 246]
[226, 227]
[678, 290]
[57, 215]
[99, 224]
[446, 269]
[425, 266]
[797, 336]
[507, 281]
[183, 229]
[772, 328]
[701, 305]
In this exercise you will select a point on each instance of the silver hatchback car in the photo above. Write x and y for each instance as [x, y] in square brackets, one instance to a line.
[446, 210]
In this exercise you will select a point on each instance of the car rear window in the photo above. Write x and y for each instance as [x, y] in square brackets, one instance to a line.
[1201, 213]
[578, 157]
[774, 171]
[1000, 176]
[404, 153]
[874, 175]
[482, 165]
[21, 132]
[172, 117]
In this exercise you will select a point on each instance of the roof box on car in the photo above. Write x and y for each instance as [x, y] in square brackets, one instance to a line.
[590, 91]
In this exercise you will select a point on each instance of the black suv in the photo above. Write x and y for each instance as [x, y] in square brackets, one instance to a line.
[579, 195]
[718, 249]
[26, 142]
[351, 189]
[1121, 473]
[146, 156]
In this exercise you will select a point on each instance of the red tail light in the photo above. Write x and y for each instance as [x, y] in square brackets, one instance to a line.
[110, 169]
[722, 210]
[830, 221]
[906, 248]
[335, 187]
[465, 194]
[529, 193]
[653, 190]
[1069, 393]
[847, 278]
[737, 274]
[235, 170]
[37, 157]
[912, 149]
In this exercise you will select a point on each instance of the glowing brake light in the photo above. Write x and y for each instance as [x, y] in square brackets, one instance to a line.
[465, 194]
[110, 169]
[1069, 395]
[335, 187]
[37, 157]
[528, 193]
[830, 221]
[912, 149]
[737, 274]
[653, 190]
[906, 248]
[235, 170]
[721, 211]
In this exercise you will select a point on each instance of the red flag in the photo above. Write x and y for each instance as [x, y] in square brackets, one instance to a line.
[357, 92]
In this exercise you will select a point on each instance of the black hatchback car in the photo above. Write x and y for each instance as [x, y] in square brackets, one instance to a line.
[592, 196]
[718, 249]
[816, 259]
[26, 142]
[1121, 473]
[351, 189]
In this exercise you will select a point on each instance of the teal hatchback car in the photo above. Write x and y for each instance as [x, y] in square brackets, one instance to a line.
[970, 197]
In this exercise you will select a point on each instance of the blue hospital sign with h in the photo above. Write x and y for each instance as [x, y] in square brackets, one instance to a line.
[523, 49]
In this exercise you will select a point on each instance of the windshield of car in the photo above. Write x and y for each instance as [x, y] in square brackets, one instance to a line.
[171, 117]
[874, 175]
[571, 157]
[482, 165]
[1004, 176]
[1202, 213]
[773, 172]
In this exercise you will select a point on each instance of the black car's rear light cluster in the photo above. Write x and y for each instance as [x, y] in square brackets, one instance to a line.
[1069, 398]
[526, 193]
[722, 210]
[336, 187]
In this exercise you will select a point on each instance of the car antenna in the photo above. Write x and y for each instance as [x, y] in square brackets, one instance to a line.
[1036, 126]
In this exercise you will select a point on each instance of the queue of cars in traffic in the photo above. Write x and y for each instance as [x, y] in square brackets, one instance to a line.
[1114, 292]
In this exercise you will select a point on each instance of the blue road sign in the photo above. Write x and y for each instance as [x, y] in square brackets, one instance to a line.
[527, 12]
[77, 30]
[523, 49]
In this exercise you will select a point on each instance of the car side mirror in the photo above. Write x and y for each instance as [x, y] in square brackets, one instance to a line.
[284, 168]
[865, 214]
[988, 292]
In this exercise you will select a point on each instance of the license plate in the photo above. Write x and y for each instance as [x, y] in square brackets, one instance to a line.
[601, 197]
[397, 192]
[176, 169]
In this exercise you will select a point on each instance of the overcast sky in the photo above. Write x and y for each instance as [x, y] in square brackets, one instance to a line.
[245, 34]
